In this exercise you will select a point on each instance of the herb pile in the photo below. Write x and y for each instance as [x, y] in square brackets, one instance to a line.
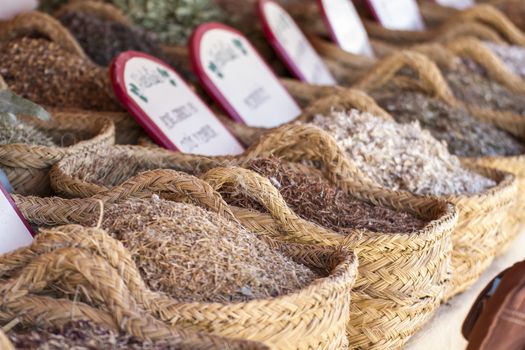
[104, 39]
[195, 255]
[43, 72]
[465, 135]
[477, 90]
[81, 335]
[315, 199]
[401, 156]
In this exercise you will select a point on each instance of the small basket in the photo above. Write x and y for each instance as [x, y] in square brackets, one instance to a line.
[27, 166]
[475, 227]
[384, 312]
[87, 262]
[320, 311]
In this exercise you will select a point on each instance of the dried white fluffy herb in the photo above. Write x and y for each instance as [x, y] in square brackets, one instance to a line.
[401, 156]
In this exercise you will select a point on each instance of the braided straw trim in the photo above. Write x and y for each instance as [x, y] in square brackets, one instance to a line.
[3, 84]
[95, 8]
[434, 14]
[283, 328]
[5, 343]
[494, 18]
[127, 130]
[56, 262]
[470, 30]
[412, 292]
[428, 73]
[28, 23]
[27, 165]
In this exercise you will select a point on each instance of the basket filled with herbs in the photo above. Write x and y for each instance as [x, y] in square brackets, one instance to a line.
[201, 270]
[29, 146]
[381, 226]
[77, 287]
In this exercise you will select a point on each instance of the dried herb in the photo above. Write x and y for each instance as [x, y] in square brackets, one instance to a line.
[315, 199]
[104, 39]
[43, 72]
[172, 20]
[195, 255]
[512, 55]
[465, 135]
[401, 156]
[79, 335]
[475, 89]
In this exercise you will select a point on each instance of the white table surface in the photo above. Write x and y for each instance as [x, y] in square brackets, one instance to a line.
[443, 331]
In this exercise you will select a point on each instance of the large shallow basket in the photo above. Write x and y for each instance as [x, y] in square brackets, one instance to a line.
[91, 271]
[402, 277]
[27, 166]
[320, 311]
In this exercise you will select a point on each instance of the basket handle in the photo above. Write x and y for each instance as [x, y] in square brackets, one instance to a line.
[429, 74]
[262, 190]
[178, 185]
[494, 18]
[469, 29]
[28, 23]
[96, 8]
[344, 100]
[496, 69]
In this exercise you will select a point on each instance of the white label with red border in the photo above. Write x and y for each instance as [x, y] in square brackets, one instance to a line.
[346, 27]
[239, 80]
[15, 232]
[397, 14]
[167, 108]
[292, 46]
[457, 4]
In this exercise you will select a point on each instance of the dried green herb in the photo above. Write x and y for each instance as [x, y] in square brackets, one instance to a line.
[465, 135]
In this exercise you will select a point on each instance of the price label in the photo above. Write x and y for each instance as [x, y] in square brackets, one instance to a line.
[239, 80]
[15, 232]
[397, 14]
[166, 107]
[458, 4]
[345, 26]
[292, 46]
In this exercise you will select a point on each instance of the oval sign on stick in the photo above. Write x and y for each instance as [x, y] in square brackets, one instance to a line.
[15, 231]
[292, 46]
[458, 4]
[239, 80]
[166, 107]
[397, 14]
[345, 26]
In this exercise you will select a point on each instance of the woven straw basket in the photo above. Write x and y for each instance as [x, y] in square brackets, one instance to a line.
[5, 343]
[88, 262]
[27, 166]
[385, 312]
[476, 226]
[320, 311]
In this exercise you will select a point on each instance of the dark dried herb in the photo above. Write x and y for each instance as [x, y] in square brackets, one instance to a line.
[79, 335]
[44, 73]
[480, 91]
[314, 198]
[465, 135]
[103, 39]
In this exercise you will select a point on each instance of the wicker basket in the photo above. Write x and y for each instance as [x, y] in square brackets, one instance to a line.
[27, 166]
[5, 344]
[320, 311]
[87, 262]
[475, 227]
[385, 312]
